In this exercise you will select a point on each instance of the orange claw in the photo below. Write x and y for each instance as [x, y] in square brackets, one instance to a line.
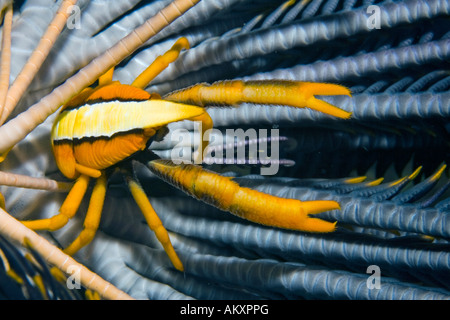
[271, 92]
[224, 193]
[310, 89]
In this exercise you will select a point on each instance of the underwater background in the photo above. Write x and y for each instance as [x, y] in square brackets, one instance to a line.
[393, 55]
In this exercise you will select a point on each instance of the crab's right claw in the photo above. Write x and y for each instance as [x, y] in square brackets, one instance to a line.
[310, 89]
[315, 224]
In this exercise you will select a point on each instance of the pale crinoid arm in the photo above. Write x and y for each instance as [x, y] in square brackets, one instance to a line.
[23, 181]
[5, 57]
[272, 92]
[37, 58]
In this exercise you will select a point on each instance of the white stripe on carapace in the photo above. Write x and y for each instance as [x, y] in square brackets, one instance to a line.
[104, 119]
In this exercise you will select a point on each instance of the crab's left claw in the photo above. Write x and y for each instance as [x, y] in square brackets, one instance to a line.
[226, 194]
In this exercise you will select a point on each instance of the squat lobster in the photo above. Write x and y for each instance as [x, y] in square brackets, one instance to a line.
[104, 128]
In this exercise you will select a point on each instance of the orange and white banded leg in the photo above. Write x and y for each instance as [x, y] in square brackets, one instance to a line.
[153, 221]
[271, 92]
[226, 194]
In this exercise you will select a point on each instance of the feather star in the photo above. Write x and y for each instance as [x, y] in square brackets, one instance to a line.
[393, 55]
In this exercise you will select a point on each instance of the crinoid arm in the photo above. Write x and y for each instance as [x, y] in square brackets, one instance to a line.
[272, 92]
[5, 62]
[37, 58]
[226, 194]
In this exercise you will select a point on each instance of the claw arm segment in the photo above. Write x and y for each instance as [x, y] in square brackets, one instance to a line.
[153, 221]
[246, 203]
[160, 63]
[67, 211]
[93, 215]
[272, 92]
[206, 126]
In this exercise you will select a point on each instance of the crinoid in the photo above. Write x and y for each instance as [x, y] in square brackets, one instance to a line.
[385, 166]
